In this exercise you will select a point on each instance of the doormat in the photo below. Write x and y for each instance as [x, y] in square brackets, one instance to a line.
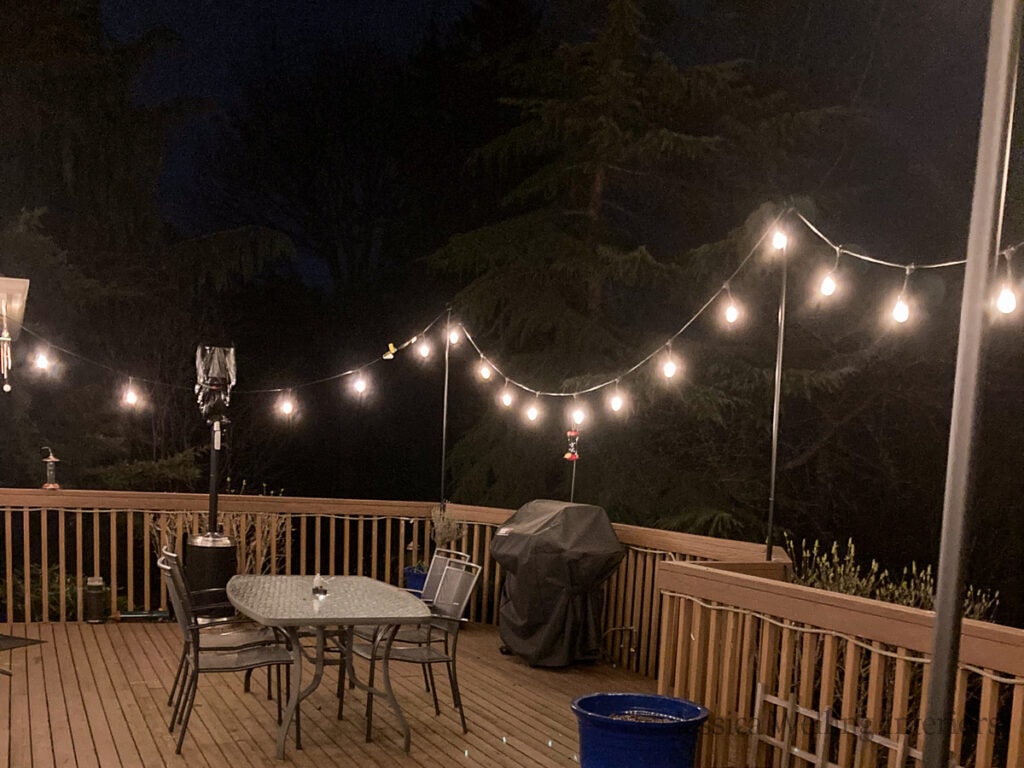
[10, 642]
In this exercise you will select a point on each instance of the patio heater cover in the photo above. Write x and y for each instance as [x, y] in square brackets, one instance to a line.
[556, 556]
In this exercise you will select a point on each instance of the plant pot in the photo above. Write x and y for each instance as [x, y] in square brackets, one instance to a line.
[621, 729]
[414, 578]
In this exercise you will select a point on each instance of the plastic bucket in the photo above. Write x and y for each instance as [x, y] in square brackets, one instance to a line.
[631, 729]
[414, 578]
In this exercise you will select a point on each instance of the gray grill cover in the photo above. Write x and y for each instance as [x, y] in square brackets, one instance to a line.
[556, 556]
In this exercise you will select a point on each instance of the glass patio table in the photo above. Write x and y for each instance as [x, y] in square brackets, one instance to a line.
[288, 603]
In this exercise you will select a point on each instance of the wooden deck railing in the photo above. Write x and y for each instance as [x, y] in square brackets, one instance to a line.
[72, 535]
[798, 676]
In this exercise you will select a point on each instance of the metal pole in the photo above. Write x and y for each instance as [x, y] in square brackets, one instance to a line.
[214, 472]
[989, 181]
[444, 411]
[775, 410]
[572, 485]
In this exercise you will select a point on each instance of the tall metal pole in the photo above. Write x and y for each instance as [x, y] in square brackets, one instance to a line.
[214, 473]
[444, 410]
[989, 184]
[775, 409]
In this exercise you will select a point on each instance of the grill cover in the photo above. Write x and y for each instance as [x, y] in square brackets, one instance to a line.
[556, 555]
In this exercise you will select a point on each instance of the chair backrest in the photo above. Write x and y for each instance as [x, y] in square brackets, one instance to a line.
[440, 561]
[456, 587]
[170, 569]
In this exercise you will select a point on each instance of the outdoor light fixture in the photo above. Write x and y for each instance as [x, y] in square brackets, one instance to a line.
[779, 240]
[51, 469]
[901, 310]
[423, 348]
[732, 312]
[454, 336]
[359, 385]
[131, 396]
[484, 370]
[506, 396]
[13, 295]
[828, 285]
[615, 402]
[1007, 300]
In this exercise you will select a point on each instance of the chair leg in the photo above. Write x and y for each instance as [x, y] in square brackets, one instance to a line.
[456, 695]
[433, 688]
[179, 700]
[192, 686]
[177, 675]
[426, 679]
[369, 699]
[270, 671]
[247, 684]
[341, 686]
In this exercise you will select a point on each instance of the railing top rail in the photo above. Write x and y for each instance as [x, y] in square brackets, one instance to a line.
[982, 644]
[670, 542]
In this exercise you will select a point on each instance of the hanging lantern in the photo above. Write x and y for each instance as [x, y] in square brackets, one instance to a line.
[13, 294]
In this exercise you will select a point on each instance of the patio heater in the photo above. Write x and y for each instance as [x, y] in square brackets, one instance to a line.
[210, 557]
[13, 294]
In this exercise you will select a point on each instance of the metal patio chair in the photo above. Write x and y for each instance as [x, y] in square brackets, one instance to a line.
[199, 661]
[435, 642]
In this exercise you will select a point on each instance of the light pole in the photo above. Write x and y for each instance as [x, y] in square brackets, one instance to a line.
[779, 242]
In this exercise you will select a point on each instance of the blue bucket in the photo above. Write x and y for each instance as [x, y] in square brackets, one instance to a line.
[627, 729]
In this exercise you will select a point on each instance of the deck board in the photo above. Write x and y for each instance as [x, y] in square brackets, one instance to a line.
[96, 695]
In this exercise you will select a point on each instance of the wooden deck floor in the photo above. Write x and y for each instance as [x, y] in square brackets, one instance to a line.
[96, 695]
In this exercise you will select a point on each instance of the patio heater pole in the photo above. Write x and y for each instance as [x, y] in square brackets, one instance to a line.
[779, 243]
[982, 242]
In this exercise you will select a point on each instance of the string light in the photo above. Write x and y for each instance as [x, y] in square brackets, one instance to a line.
[578, 416]
[131, 396]
[669, 367]
[1007, 299]
[533, 411]
[615, 402]
[506, 396]
[286, 405]
[901, 310]
[828, 283]
[732, 312]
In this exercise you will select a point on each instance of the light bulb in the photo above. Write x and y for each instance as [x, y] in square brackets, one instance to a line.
[900, 312]
[131, 397]
[286, 407]
[42, 361]
[669, 369]
[578, 416]
[532, 413]
[453, 336]
[1007, 301]
[359, 385]
[731, 313]
[423, 348]
[828, 285]
[7, 387]
[506, 398]
[485, 371]
[779, 240]
[616, 402]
